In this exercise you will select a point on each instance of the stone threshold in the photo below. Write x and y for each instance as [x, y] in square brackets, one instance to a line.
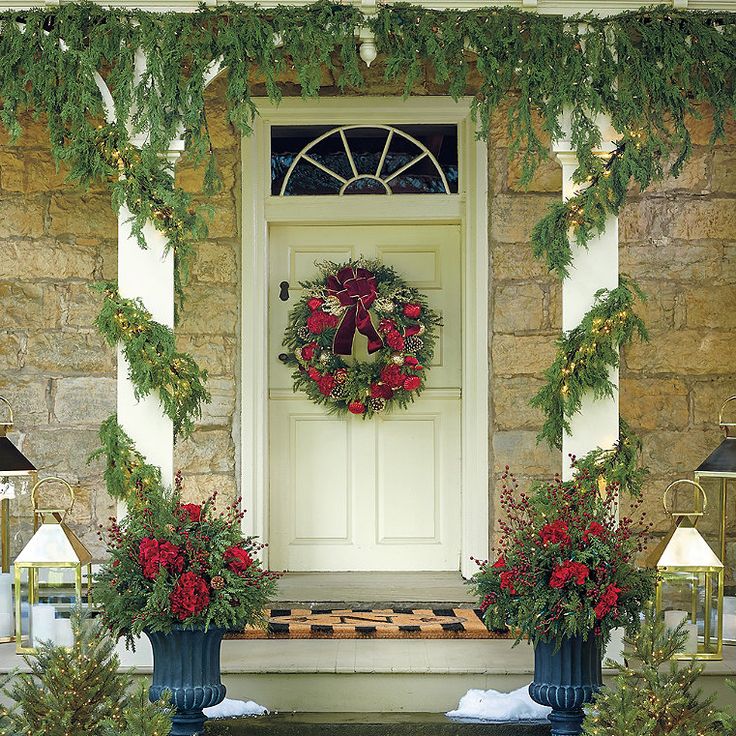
[368, 724]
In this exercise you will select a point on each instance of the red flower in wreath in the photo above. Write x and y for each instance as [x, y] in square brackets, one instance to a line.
[325, 384]
[507, 581]
[607, 601]
[154, 555]
[313, 373]
[315, 303]
[386, 325]
[308, 351]
[319, 322]
[412, 311]
[237, 559]
[394, 340]
[555, 533]
[191, 595]
[356, 407]
[412, 383]
[594, 530]
[392, 376]
[381, 391]
[499, 563]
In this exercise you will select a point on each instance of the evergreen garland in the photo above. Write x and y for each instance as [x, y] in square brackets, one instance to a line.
[154, 364]
[126, 470]
[585, 356]
[648, 70]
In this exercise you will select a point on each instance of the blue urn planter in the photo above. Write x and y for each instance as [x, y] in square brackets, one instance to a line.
[566, 679]
[186, 663]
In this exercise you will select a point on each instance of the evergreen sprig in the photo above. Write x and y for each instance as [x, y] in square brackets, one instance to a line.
[585, 356]
[154, 364]
[126, 471]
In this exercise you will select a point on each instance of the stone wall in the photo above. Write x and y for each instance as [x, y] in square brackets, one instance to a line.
[678, 240]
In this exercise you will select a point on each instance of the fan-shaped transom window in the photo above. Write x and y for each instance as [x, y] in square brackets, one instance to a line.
[364, 159]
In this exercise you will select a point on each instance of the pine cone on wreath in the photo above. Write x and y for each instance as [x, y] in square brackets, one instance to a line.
[217, 582]
[339, 391]
[304, 333]
[413, 344]
[377, 404]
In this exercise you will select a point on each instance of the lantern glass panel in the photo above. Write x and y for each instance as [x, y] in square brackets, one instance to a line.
[45, 598]
[692, 598]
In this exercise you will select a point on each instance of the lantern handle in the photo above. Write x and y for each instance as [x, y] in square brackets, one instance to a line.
[721, 423]
[684, 481]
[41, 511]
[8, 423]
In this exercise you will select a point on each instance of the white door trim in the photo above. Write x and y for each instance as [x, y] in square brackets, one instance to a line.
[470, 207]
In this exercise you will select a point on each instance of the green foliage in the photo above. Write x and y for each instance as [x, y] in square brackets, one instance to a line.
[154, 364]
[164, 551]
[358, 378]
[566, 563]
[585, 356]
[126, 471]
[79, 691]
[654, 696]
[619, 465]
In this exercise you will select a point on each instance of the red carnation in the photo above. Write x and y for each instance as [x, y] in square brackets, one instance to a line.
[386, 325]
[318, 322]
[507, 581]
[411, 383]
[500, 562]
[193, 510]
[594, 530]
[308, 351]
[314, 374]
[190, 596]
[356, 407]
[325, 384]
[237, 559]
[568, 571]
[608, 600]
[555, 533]
[394, 340]
[381, 391]
[315, 303]
[412, 311]
[153, 555]
[411, 361]
[392, 376]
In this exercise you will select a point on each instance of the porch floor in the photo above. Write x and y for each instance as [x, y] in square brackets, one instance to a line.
[373, 589]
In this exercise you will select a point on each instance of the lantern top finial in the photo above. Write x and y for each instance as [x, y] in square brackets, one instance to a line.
[6, 424]
[693, 513]
[726, 425]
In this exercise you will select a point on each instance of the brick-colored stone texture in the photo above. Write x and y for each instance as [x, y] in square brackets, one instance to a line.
[678, 240]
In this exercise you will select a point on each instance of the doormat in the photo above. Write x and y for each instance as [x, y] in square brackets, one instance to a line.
[365, 623]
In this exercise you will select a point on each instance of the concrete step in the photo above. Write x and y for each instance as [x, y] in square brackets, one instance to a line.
[367, 724]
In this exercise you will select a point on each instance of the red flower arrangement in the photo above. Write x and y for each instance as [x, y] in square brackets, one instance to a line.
[566, 562]
[174, 563]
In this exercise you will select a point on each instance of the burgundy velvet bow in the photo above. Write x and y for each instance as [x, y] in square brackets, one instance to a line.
[356, 290]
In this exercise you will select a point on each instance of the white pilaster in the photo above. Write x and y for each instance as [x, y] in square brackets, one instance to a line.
[146, 274]
[593, 268]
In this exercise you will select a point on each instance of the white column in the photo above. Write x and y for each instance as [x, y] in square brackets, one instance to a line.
[146, 274]
[593, 268]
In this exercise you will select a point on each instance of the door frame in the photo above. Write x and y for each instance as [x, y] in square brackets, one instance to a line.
[469, 208]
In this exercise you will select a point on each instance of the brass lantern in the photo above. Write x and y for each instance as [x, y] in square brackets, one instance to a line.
[53, 562]
[17, 473]
[717, 475]
[690, 582]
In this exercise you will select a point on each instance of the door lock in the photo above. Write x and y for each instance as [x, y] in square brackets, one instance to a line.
[284, 293]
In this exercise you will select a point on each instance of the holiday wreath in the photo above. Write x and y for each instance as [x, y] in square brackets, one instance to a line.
[370, 298]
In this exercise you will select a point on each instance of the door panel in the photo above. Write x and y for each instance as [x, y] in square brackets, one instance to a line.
[379, 494]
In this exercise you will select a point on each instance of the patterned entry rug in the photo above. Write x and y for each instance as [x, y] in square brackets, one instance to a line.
[363, 623]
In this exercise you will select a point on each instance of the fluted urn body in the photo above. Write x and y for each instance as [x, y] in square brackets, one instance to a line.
[566, 679]
[186, 663]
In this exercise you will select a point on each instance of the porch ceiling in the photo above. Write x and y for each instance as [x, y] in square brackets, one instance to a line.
[550, 7]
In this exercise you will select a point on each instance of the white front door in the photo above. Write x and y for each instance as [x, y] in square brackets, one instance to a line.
[378, 494]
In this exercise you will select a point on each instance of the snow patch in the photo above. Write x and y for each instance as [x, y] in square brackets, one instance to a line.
[235, 709]
[492, 705]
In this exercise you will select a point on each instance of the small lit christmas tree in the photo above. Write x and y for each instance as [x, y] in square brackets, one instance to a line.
[657, 696]
[79, 691]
